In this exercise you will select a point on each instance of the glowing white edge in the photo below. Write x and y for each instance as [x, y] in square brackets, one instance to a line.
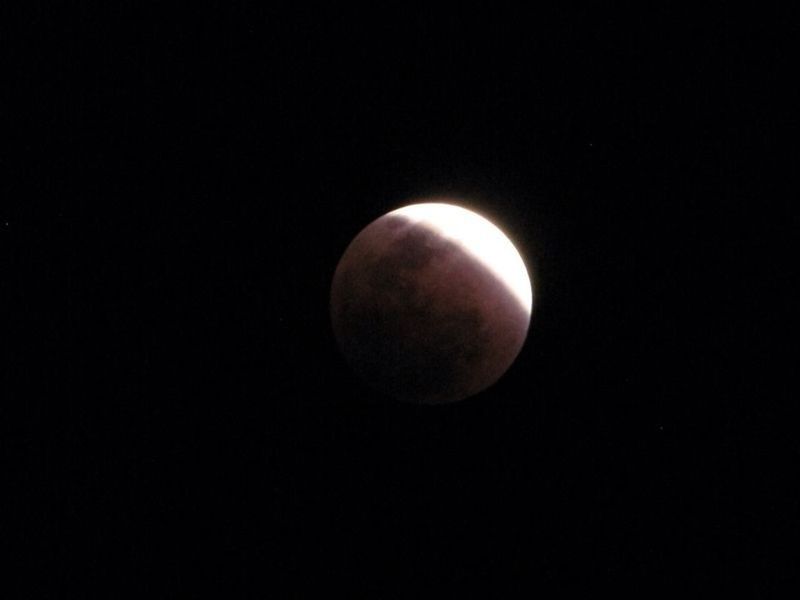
[479, 237]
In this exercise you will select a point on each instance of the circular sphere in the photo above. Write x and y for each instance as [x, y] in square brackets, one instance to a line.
[430, 303]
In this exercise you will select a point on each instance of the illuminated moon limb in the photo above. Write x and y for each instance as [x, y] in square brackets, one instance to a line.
[480, 238]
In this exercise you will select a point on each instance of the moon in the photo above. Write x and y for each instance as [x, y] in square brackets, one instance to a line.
[431, 303]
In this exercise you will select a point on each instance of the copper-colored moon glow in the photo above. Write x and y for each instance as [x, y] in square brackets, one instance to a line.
[431, 303]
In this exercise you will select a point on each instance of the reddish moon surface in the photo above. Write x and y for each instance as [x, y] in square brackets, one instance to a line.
[425, 314]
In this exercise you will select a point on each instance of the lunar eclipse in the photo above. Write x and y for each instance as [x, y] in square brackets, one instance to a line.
[431, 303]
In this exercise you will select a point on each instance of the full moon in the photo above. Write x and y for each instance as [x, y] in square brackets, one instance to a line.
[431, 303]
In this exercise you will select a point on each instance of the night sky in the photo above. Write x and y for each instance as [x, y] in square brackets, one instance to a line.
[182, 187]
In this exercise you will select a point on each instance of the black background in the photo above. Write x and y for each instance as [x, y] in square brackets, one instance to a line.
[182, 186]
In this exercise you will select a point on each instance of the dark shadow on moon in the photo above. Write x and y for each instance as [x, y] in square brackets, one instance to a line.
[418, 318]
